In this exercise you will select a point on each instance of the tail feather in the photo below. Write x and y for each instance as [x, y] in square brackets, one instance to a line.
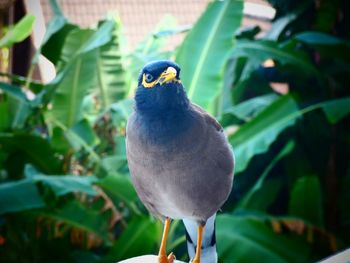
[208, 253]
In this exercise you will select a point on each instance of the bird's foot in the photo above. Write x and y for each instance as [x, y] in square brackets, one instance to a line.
[171, 257]
[195, 261]
[166, 259]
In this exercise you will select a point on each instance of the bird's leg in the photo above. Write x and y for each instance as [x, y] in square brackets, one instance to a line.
[162, 257]
[197, 257]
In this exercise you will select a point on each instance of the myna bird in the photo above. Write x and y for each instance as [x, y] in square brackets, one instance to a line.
[179, 158]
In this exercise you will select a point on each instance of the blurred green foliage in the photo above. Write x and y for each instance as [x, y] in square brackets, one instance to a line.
[65, 191]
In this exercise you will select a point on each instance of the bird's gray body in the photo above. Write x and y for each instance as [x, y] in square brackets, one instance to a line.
[186, 176]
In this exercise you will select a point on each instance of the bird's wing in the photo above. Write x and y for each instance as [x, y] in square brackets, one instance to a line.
[210, 120]
[224, 162]
[181, 177]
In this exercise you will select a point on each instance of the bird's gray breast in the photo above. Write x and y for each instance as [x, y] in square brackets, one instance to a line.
[187, 176]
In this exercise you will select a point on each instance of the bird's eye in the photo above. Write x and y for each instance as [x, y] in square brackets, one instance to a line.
[148, 77]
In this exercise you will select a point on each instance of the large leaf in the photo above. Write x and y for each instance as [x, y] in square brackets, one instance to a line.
[53, 40]
[56, 33]
[55, 36]
[34, 85]
[79, 140]
[328, 45]
[121, 111]
[110, 72]
[282, 23]
[250, 108]
[18, 106]
[140, 237]
[18, 196]
[247, 239]
[306, 200]
[77, 79]
[19, 32]
[119, 188]
[63, 184]
[23, 194]
[100, 37]
[256, 136]
[84, 130]
[279, 26]
[263, 193]
[13, 91]
[322, 39]
[31, 149]
[205, 51]
[4, 118]
[259, 51]
[336, 109]
[250, 55]
[77, 215]
[77, 75]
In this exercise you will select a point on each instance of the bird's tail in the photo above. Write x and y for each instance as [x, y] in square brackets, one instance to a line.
[208, 253]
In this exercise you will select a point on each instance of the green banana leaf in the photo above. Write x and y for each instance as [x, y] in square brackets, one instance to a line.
[19, 195]
[30, 149]
[19, 32]
[16, 106]
[261, 50]
[119, 188]
[24, 194]
[111, 84]
[328, 45]
[77, 79]
[78, 72]
[121, 111]
[306, 200]
[256, 136]
[250, 239]
[248, 109]
[264, 192]
[281, 24]
[206, 49]
[76, 215]
[140, 237]
[62, 184]
[87, 134]
[5, 120]
[54, 39]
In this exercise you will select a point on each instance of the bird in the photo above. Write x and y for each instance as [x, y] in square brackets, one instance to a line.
[179, 159]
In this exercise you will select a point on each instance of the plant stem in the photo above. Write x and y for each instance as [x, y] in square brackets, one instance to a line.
[29, 76]
[331, 183]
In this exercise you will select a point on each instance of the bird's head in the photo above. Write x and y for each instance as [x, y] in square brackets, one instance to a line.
[159, 88]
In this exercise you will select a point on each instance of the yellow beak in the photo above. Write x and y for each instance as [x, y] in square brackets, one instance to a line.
[168, 75]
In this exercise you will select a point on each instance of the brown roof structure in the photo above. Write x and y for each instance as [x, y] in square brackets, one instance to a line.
[138, 17]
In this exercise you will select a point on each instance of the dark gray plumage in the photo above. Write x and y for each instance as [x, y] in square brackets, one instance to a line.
[179, 159]
[188, 176]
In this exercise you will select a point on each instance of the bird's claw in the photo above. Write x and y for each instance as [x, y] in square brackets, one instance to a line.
[171, 257]
[166, 259]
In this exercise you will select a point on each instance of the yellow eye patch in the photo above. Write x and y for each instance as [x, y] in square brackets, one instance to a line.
[148, 84]
[168, 75]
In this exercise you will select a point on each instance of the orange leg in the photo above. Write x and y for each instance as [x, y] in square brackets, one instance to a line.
[197, 258]
[162, 257]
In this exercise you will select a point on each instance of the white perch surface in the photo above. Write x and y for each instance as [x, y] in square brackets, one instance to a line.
[145, 259]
